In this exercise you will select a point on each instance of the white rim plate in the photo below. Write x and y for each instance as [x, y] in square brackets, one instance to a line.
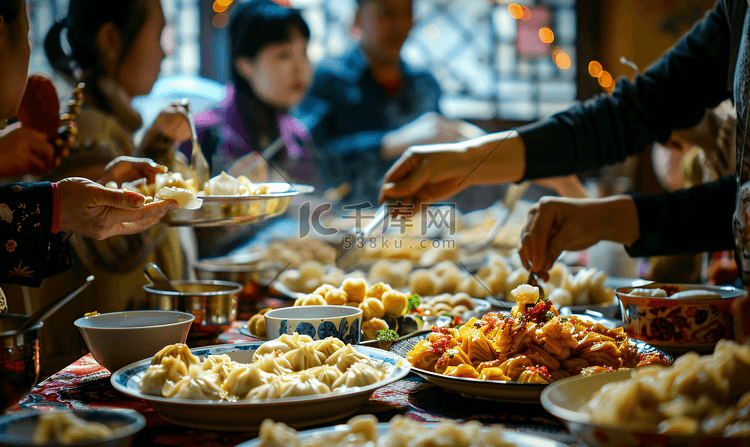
[519, 439]
[493, 389]
[247, 416]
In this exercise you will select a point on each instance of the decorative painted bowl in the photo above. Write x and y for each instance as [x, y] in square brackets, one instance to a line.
[17, 429]
[680, 324]
[120, 338]
[319, 322]
[19, 359]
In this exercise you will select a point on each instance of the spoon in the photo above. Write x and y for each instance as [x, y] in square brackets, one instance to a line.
[512, 196]
[376, 343]
[43, 313]
[198, 163]
[154, 273]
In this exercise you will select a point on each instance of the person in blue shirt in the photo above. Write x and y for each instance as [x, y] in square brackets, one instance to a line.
[366, 107]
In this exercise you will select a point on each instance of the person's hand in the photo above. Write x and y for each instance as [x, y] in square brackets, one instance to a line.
[126, 169]
[556, 224]
[429, 128]
[427, 174]
[26, 151]
[92, 210]
[173, 123]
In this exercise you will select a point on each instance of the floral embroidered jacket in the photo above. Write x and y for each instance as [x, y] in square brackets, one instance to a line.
[29, 250]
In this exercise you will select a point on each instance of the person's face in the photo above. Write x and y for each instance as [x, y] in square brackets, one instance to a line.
[140, 68]
[384, 26]
[280, 73]
[14, 58]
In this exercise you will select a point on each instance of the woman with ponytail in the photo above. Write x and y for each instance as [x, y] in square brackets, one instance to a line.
[115, 49]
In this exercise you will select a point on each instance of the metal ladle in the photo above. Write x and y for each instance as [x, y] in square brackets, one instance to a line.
[44, 313]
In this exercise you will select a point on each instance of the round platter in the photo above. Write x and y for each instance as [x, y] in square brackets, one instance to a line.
[514, 438]
[228, 210]
[491, 389]
[246, 415]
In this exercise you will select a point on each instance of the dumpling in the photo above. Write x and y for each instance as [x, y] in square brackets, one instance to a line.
[223, 185]
[345, 357]
[282, 345]
[184, 197]
[273, 365]
[271, 390]
[306, 356]
[193, 386]
[358, 374]
[422, 282]
[328, 345]
[178, 350]
[155, 378]
[326, 374]
[372, 308]
[243, 379]
[277, 434]
[304, 384]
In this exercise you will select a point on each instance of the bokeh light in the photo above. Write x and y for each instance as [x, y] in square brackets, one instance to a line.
[546, 35]
[219, 7]
[605, 79]
[224, 3]
[431, 32]
[526, 13]
[515, 10]
[595, 68]
[562, 60]
[285, 3]
[220, 20]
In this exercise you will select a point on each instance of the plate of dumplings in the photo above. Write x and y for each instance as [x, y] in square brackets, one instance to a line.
[293, 379]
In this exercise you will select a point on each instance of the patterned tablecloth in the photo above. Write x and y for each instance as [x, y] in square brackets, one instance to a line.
[85, 384]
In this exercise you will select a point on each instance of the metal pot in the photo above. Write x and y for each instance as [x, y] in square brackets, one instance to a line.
[19, 359]
[214, 303]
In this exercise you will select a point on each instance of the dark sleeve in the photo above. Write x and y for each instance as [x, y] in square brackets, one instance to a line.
[318, 113]
[690, 220]
[671, 94]
[26, 231]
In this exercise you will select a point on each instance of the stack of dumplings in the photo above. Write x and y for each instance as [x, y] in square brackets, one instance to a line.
[290, 366]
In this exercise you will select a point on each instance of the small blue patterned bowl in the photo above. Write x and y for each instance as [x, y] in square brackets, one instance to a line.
[319, 322]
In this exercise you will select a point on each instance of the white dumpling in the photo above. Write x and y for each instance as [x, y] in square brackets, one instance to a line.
[273, 365]
[243, 379]
[328, 345]
[223, 185]
[305, 384]
[277, 434]
[170, 370]
[282, 345]
[345, 357]
[193, 386]
[185, 198]
[326, 374]
[306, 356]
[358, 374]
[271, 390]
[178, 350]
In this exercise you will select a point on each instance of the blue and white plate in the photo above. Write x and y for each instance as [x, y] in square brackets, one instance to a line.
[519, 439]
[494, 389]
[247, 416]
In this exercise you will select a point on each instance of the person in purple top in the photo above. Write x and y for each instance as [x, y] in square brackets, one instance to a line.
[270, 73]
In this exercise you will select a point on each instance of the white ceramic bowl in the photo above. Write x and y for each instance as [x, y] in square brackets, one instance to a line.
[318, 322]
[120, 338]
[17, 429]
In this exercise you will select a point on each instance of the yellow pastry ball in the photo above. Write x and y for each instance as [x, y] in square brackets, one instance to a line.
[311, 300]
[371, 327]
[377, 290]
[355, 289]
[336, 297]
[322, 290]
[422, 282]
[394, 303]
[257, 325]
[372, 308]
[311, 269]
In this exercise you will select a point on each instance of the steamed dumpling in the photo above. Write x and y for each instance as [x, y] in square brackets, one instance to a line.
[282, 345]
[244, 379]
[359, 374]
[179, 351]
[184, 197]
[223, 185]
[328, 345]
[273, 365]
[305, 384]
[326, 374]
[345, 357]
[306, 356]
[193, 386]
